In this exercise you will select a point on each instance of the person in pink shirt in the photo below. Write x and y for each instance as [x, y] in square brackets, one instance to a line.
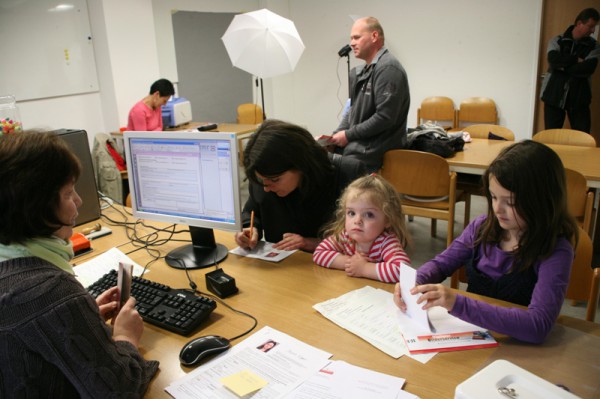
[146, 114]
[368, 236]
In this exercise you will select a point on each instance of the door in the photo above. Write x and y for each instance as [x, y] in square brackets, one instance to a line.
[556, 18]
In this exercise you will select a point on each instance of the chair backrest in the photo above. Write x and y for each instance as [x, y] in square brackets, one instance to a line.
[584, 281]
[482, 131]
[437, 109]
[477, 110]
[565, 136]
[416, 173]
[579, 199]
[249, 114]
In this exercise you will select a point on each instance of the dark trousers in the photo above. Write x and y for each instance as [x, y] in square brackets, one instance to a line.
[580, 119]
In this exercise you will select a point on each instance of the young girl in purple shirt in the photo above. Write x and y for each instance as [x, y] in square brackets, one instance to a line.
[520, 252]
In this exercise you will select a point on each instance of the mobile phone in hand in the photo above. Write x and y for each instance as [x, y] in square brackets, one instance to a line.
[124, 282]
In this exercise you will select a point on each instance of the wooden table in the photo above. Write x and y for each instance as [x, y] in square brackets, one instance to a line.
[281, 295]
[478, 154]
[241, 131]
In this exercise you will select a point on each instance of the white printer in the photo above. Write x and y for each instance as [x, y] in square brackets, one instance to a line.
[176, 112]
[505, 380]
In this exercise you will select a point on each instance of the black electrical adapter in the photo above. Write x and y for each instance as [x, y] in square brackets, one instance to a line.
[220, 284]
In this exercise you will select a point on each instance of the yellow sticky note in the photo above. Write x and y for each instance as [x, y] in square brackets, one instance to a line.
[243, 383]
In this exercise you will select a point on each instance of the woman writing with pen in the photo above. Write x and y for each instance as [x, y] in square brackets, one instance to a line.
[293, 186]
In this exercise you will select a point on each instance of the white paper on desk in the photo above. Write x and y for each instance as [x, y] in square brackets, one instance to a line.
[366, 312]
[341, 380]
[442, 322]
[264, 250]
[408, 280]
[89, 272]
[285, 366]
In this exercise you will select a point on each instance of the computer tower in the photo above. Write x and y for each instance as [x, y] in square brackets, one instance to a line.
[86, 185]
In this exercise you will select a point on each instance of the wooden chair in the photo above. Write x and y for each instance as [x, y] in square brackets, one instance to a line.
[470, 184]
[437, 109]
[482, 131]
[585, 280]
[427, 177]
[580, 200]
[565, 136]
[250, 114]
[476, 110]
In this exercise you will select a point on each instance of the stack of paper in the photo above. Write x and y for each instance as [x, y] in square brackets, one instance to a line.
[289, 369]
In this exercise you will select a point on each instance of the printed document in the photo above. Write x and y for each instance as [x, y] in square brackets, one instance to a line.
[277, 358]
[341, 380]
[369, 313]
[89, 272]
[265, 251]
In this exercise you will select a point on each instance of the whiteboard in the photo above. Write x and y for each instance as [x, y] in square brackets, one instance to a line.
[46, 52]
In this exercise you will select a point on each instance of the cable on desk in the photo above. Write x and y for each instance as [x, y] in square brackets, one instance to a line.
[233, 310]
[195, 289]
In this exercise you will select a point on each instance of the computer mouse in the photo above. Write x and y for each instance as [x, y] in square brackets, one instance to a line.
[201, 348]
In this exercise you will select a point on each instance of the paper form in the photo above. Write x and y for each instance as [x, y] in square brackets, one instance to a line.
[369, 313]
[284, 366]
[89, 272]
[341, 380]
[265, 251]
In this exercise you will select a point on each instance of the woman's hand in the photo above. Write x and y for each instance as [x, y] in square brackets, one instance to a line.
[107, 303]
[247, 239]
[398, 298]
[128, 324]
[292, 241]
[435, 295]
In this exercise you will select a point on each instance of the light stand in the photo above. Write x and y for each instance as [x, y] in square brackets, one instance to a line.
[262, 98]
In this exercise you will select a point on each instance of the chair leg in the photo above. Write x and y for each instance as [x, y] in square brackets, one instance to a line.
[454, 280]
[434, 227]
[467, 209]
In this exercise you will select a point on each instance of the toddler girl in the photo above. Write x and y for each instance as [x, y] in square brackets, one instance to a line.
[368, 235]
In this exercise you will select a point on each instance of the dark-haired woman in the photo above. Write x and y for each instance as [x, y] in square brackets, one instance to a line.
[54, 340]
[294, 184]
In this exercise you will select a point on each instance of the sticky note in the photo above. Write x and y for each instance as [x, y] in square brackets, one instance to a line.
[243, 383]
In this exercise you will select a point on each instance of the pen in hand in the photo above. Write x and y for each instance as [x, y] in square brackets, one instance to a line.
[251, 225]
[248, 233]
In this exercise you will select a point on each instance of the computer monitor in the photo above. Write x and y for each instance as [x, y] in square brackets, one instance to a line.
[186, 178]
[86, 184]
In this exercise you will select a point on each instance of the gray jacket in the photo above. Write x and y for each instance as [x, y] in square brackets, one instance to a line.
[380, 100]
[108, 176]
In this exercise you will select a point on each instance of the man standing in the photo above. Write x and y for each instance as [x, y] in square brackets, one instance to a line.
[379, 97]
[572, 58]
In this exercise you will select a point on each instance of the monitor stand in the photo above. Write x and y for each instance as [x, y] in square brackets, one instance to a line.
[202, 252]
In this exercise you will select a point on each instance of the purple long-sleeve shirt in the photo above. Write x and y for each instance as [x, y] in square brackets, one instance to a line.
[532, 324]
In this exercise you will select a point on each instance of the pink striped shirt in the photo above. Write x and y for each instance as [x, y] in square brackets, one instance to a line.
[386, 252]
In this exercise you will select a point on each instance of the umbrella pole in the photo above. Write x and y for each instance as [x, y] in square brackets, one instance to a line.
[262, 98]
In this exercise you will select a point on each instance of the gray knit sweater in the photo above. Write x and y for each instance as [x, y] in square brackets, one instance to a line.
[53, 342]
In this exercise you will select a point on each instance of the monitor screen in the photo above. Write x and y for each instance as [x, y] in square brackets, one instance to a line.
[186, 178]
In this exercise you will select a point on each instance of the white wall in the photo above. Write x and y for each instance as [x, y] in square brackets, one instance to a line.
[459, 49]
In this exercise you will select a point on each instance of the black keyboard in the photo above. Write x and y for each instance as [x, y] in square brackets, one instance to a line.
[175, 310]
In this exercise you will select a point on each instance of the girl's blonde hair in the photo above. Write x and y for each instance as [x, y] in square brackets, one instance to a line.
[380, 193]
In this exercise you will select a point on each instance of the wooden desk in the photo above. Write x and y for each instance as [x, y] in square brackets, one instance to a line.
[281, 295]
[241, 131]
[478, 154]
